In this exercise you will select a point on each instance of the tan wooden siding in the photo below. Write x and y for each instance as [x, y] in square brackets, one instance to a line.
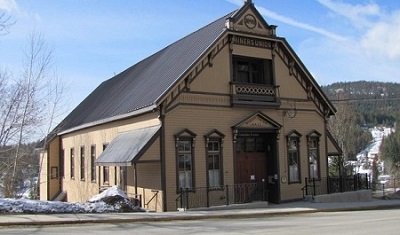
[215, 79]
[149, 184]
[251, 52]
[78, 190]
[54, 151]
[201, 120]
[43, 180]
[153, 153]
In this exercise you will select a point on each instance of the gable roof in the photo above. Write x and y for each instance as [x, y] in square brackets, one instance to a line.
[140, 88]
[145, 83]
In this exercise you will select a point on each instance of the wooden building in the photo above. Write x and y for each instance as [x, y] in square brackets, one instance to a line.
[230, 104]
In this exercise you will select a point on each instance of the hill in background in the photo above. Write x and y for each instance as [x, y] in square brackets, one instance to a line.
[376, 103]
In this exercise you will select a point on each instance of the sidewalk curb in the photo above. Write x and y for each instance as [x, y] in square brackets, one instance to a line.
[158, 219]
[189, 216]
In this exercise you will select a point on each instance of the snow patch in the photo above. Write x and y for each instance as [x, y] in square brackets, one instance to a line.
[111, 200]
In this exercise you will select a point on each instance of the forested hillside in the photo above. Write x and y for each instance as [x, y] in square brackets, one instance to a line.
[376, 103]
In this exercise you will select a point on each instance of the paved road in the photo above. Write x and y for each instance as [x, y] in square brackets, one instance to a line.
[354, 222]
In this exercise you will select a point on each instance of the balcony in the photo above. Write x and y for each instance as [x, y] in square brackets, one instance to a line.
[255, 94]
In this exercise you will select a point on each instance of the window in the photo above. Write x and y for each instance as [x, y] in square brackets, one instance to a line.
[82, 163]
[54, 172]
[92, 162]
[214, 163]
[184, 152]
[185, 163]
[62, 163]
[214, 140]
[106, 170]
[252, 70]
[72, 163]
[106, 174]
[293, 148]
[313, 154]
[115, 176]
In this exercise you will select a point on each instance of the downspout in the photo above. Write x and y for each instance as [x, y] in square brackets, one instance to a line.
[162, 157]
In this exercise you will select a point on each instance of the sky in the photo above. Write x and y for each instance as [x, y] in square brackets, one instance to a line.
[337, 40]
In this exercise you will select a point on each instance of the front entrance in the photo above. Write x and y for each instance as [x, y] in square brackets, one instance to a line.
[256, 164]
[250, 159]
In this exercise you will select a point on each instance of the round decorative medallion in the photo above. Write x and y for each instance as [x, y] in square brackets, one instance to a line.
[283, 179]
[250, 21]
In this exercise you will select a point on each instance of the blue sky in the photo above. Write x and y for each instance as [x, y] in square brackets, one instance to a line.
[337, 40]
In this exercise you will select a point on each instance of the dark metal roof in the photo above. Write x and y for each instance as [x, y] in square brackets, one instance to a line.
[146, 82]
[127, 147]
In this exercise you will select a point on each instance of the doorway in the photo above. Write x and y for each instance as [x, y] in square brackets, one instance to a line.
[256, 163]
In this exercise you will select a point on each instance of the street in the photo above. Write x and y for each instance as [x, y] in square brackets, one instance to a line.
[356, 222]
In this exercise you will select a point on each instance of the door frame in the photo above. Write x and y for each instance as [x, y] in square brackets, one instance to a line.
[262, 124]
[271, 162]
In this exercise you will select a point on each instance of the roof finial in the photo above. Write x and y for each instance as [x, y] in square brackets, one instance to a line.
[248, 2]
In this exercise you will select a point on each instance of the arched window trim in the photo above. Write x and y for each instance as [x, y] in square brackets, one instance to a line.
[311, 137]
[184, 176]
[293, 156]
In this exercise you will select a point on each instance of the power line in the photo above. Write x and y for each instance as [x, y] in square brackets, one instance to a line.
[365, 99]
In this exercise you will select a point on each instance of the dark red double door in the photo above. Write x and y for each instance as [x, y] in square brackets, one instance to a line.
[255, 163]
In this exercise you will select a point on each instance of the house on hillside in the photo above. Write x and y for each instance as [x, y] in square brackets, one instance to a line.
[230, 106]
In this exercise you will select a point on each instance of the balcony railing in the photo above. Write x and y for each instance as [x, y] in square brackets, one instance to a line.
[255, 94]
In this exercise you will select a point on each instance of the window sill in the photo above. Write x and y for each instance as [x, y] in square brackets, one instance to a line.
[294, 182]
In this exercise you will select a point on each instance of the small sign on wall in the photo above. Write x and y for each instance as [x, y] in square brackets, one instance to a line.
[54, 172]
[252, 177]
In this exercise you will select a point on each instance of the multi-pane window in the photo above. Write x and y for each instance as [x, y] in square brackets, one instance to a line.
[184, 143]
[82, 163]
[252, 70]
[214, 141]
[313, 155]
[72, 163]
[214, 163]
[92, 163]
[185, 172]
[293, 149]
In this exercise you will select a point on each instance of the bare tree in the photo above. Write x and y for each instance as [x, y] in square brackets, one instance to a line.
[28, 101]
[54, 100]
[5, 23]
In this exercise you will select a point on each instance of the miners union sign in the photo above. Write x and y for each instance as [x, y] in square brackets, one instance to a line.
[250, 21]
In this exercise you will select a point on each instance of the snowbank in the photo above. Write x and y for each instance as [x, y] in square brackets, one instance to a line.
[111, 200]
